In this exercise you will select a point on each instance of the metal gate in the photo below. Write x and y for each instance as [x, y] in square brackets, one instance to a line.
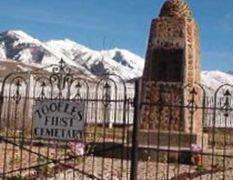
[101, 149]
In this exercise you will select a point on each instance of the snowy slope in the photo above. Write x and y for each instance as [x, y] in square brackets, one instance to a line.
[116, 61]
[125, 58]
[214, 79]
[19, 46]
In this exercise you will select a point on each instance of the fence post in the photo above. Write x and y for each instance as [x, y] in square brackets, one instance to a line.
[136, 117]
[1, 104]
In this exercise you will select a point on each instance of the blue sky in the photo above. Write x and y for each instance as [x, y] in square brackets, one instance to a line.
[104, 24]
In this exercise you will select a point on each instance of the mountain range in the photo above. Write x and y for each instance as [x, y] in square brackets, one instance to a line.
[19, 47]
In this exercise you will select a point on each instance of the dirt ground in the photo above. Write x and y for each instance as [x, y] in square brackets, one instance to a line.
[13, 158]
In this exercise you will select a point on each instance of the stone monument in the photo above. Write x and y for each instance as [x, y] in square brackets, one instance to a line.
[172, 70]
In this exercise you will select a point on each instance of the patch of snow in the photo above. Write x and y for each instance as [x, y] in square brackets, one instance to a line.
[2, 51]
[24, 56]
[22, 37]
[214, 79]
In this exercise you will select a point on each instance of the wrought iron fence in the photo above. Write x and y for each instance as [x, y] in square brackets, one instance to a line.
[171, 137]
[144, 131]
[102, 151]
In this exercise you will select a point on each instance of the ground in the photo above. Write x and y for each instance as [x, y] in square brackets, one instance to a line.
[101, 168]
[13, 158]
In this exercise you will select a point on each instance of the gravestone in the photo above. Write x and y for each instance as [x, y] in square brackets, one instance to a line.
[170, 78]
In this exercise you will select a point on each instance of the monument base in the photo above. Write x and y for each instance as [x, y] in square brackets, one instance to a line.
[173, 140]
[165, 139]
[172, 146]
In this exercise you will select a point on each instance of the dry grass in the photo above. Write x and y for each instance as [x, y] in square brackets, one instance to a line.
[220, 138]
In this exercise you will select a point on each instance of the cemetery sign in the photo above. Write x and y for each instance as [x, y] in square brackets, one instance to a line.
[58, 119]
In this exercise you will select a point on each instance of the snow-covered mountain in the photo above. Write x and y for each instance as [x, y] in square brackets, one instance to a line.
[115, 61]
[214, 79]
[19, 46]
[23, 48]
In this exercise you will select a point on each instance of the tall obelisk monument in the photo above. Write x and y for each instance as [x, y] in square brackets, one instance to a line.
[172, 69]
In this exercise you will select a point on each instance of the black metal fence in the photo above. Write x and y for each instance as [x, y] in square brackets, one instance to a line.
[181, 133]
[100, 151]
[152, 133]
